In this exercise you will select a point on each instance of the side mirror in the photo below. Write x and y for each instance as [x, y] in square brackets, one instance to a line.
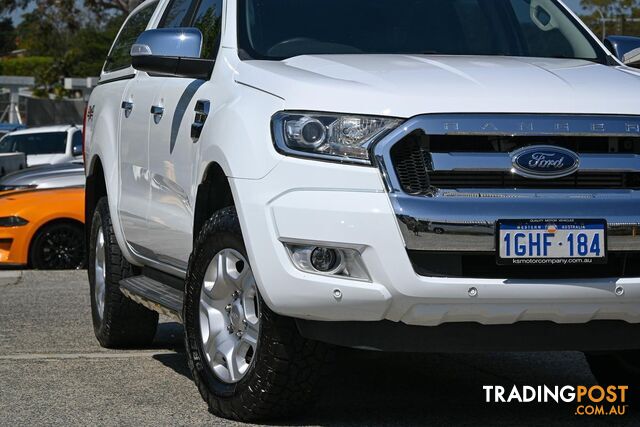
[625, 48]
[173, 52]
[76, 150]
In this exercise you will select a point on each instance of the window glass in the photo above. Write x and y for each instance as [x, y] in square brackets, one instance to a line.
[35, 143]
[204, 15]
[120, 55]
[208, 19]
[76, 141]
[283, 29]
[178, 14]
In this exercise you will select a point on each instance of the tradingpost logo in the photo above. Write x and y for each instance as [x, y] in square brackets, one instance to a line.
[589, 400]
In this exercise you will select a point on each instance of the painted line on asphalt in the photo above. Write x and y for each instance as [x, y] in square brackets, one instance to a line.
[67, 356]
[10, 277]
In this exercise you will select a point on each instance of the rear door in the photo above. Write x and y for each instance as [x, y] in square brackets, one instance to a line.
[172, 151]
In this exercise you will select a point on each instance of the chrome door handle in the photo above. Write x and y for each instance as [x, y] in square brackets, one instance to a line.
[157, 112]
[202, 112]
[127, 106]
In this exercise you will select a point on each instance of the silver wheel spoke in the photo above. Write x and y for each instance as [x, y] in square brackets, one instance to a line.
[250, 337]
[229, 350]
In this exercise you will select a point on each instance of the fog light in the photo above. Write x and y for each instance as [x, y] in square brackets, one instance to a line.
[328, 261]
[325, 259]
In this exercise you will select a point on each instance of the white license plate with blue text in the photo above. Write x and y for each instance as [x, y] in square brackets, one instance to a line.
[564, 242]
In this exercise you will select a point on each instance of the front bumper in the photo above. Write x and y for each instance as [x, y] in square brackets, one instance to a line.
[14, 246]
[348, 206]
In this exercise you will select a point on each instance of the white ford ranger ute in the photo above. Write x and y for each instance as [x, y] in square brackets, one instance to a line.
[397, 175]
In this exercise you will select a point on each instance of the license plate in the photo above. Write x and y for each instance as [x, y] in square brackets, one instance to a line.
[561, 242]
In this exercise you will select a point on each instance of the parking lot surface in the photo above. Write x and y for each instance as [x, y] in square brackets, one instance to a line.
[52, 372]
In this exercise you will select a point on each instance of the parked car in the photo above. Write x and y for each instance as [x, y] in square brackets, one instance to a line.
[43, 229]
[11, 162]
[45, 176]
[45, 145]
[268, 173]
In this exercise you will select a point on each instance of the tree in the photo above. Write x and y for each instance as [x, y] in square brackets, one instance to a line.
[610, 7]
[125, 6]
[613, 16]
[69, 6]
[7, 36]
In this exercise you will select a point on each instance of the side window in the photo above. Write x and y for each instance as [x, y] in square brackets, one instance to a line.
[178, 14]
[76, 142]
[208, 19]
[206, 15]
[120, 57]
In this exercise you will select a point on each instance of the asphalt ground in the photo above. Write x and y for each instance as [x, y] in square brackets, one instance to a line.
[52, 372]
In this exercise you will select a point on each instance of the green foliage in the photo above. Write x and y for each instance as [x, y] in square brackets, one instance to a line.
[61, 48]
[28, 66]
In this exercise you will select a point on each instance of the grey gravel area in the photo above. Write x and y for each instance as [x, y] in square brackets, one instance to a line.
[52, 372]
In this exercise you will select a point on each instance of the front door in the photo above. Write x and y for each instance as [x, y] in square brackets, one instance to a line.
[172, 167]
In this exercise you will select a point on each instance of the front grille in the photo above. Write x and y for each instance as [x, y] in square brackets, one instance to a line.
[412, 162]
[482, 265]
[580, 180]
[414, 167]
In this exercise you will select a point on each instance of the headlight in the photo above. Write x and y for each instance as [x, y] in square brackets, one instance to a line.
[336, 137]
[12, 221]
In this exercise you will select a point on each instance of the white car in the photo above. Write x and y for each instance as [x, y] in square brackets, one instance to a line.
[45, 145]
[397, 175]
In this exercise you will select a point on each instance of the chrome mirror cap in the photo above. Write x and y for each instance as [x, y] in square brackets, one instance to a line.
[169, 42]
[622, 46]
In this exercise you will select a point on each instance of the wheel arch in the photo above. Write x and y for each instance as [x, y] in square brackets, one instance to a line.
[214, 193]
[95, 189]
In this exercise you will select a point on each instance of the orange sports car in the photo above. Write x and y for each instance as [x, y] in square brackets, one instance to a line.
[43, 229]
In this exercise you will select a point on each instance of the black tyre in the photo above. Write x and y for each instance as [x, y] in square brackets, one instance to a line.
[248, 362]
[118, 322]
[618, 368]
[58, 246]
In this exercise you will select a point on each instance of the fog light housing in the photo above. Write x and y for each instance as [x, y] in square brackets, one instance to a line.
[328, 261]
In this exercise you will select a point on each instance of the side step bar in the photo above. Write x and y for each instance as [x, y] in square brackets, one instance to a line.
[154, 295]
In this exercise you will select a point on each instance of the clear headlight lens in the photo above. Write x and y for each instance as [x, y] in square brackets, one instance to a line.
[12, 221]
[342, 138]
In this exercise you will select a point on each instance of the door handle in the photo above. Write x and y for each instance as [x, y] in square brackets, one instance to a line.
[127, 106]
[202, 112]
[157, 112]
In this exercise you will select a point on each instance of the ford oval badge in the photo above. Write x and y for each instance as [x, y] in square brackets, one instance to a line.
[544, 162]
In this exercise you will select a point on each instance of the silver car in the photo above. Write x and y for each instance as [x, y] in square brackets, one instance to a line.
[46, 176]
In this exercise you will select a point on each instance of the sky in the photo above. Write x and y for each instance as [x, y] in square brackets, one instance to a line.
[574, 4]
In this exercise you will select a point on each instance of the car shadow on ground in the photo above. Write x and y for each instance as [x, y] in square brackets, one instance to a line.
[169, 336]
[363, 387]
